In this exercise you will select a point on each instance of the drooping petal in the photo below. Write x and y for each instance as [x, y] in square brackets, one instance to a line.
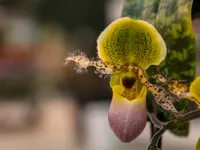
[195, 90]
[127, 118]
[128, 41]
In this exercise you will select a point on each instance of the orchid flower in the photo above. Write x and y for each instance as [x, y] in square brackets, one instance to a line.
[126, 49]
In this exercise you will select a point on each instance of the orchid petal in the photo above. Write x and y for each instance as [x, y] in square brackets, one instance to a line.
[128, 41]
[195, 90]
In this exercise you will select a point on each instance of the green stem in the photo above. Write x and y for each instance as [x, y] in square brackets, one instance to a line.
[187, 117]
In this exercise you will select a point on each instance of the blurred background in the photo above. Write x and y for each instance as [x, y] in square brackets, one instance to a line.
[46, 106]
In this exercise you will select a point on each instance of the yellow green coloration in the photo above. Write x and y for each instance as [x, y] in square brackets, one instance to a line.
[198, 144]
[195, 90]
[123, 40]
[128, 86]
[132, 46]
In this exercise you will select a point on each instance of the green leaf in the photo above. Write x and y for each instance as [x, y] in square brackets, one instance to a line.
[172, 19]
[182, 130]
[174, 23]
[141, 9]
[198, 145]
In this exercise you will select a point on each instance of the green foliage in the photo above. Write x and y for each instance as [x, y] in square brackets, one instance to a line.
[172, 19]
[174, 23]
[141, 9]
[182, 130]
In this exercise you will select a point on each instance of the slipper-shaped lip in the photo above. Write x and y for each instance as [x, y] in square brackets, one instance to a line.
[127, 118]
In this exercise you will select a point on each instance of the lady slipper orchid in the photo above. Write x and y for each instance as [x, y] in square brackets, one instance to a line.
[126, 48]
[126, 43]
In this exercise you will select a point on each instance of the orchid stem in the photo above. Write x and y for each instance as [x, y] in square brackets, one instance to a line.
[187, 117]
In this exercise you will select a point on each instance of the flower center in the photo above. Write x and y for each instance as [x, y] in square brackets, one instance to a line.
[128, 81]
